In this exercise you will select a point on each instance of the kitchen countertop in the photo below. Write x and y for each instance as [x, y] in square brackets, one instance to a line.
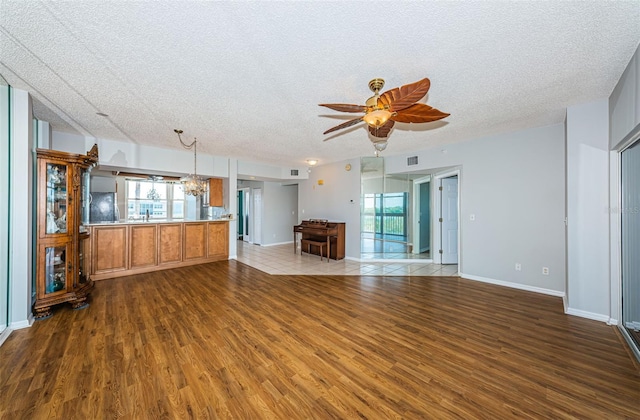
[155, 221]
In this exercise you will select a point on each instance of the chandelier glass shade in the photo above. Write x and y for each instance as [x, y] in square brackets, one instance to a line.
[192, 184]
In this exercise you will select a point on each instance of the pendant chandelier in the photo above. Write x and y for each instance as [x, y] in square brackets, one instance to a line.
[192, 184]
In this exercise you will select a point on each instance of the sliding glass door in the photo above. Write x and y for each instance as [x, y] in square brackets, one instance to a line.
[5, 133]
[631, 241]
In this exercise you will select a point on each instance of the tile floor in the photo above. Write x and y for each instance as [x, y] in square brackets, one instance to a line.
[280, 259]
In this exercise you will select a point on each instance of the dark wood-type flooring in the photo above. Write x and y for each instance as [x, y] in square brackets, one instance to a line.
[224, 340]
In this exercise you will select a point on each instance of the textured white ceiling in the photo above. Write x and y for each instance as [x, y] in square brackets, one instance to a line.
[246, 78]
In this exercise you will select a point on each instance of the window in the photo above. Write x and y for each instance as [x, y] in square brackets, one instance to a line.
[163, 200]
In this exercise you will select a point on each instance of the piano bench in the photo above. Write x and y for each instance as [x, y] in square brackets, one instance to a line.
[309, 242]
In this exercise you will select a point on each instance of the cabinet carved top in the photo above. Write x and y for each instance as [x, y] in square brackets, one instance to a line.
[90, 159]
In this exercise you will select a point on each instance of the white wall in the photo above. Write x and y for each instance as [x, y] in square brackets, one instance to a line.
[338, 199]
[269, 172]
[514, 185]
[67, 142]
[20, 254]
[130, 156]
[587, 210]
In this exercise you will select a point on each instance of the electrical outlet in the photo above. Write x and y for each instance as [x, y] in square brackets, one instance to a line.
[518, 267]
[545, 271]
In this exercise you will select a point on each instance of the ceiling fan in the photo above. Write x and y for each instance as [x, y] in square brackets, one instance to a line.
[382, 111]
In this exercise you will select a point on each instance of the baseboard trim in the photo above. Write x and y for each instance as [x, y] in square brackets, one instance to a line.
[588, 315]
[513, 285]
[277, 243]
[632, 325]
[22, 324]
[4, 335]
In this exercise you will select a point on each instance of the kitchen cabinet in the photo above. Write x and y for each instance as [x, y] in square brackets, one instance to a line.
[125, 248]
[62, 245]
[215, 192]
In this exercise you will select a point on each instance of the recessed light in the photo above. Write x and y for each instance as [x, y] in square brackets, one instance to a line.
[102, 114]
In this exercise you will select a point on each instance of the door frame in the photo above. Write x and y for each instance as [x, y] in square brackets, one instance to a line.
[436, 242]
[246, 210]
[615, 234]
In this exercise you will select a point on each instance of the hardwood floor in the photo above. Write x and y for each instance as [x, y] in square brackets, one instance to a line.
[224, 340]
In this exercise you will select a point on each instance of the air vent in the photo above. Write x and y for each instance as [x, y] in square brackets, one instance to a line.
[413, 160]
[294, 172]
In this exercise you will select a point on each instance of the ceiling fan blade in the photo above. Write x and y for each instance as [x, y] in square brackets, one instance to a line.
[346, 107]
[403, 97]
[382, 131]
[344, 125]
[419, 113]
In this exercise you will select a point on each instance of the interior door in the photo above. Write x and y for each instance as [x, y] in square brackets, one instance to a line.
[449, 220]
[257, 216]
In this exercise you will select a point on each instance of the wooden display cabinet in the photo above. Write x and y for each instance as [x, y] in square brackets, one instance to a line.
[62, 261]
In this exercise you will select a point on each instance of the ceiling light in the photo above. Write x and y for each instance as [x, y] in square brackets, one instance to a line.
[192, 184]
[312, 162]
[379, 145]
[377, 118]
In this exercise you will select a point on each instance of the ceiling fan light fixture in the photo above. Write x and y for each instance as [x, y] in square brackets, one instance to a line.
[377, 118]
[382, 111]
[379, 145]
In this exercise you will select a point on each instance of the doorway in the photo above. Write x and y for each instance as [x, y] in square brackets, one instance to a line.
[422, 214]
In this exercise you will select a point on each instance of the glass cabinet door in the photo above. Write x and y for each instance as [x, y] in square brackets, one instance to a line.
[83, 259]
[56, 268]
[85, 198]
[56, 198]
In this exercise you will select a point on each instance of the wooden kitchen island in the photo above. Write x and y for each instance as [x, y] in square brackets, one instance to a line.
[124, 248]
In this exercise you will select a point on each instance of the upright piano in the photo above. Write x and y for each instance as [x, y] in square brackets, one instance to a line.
[319, 230]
